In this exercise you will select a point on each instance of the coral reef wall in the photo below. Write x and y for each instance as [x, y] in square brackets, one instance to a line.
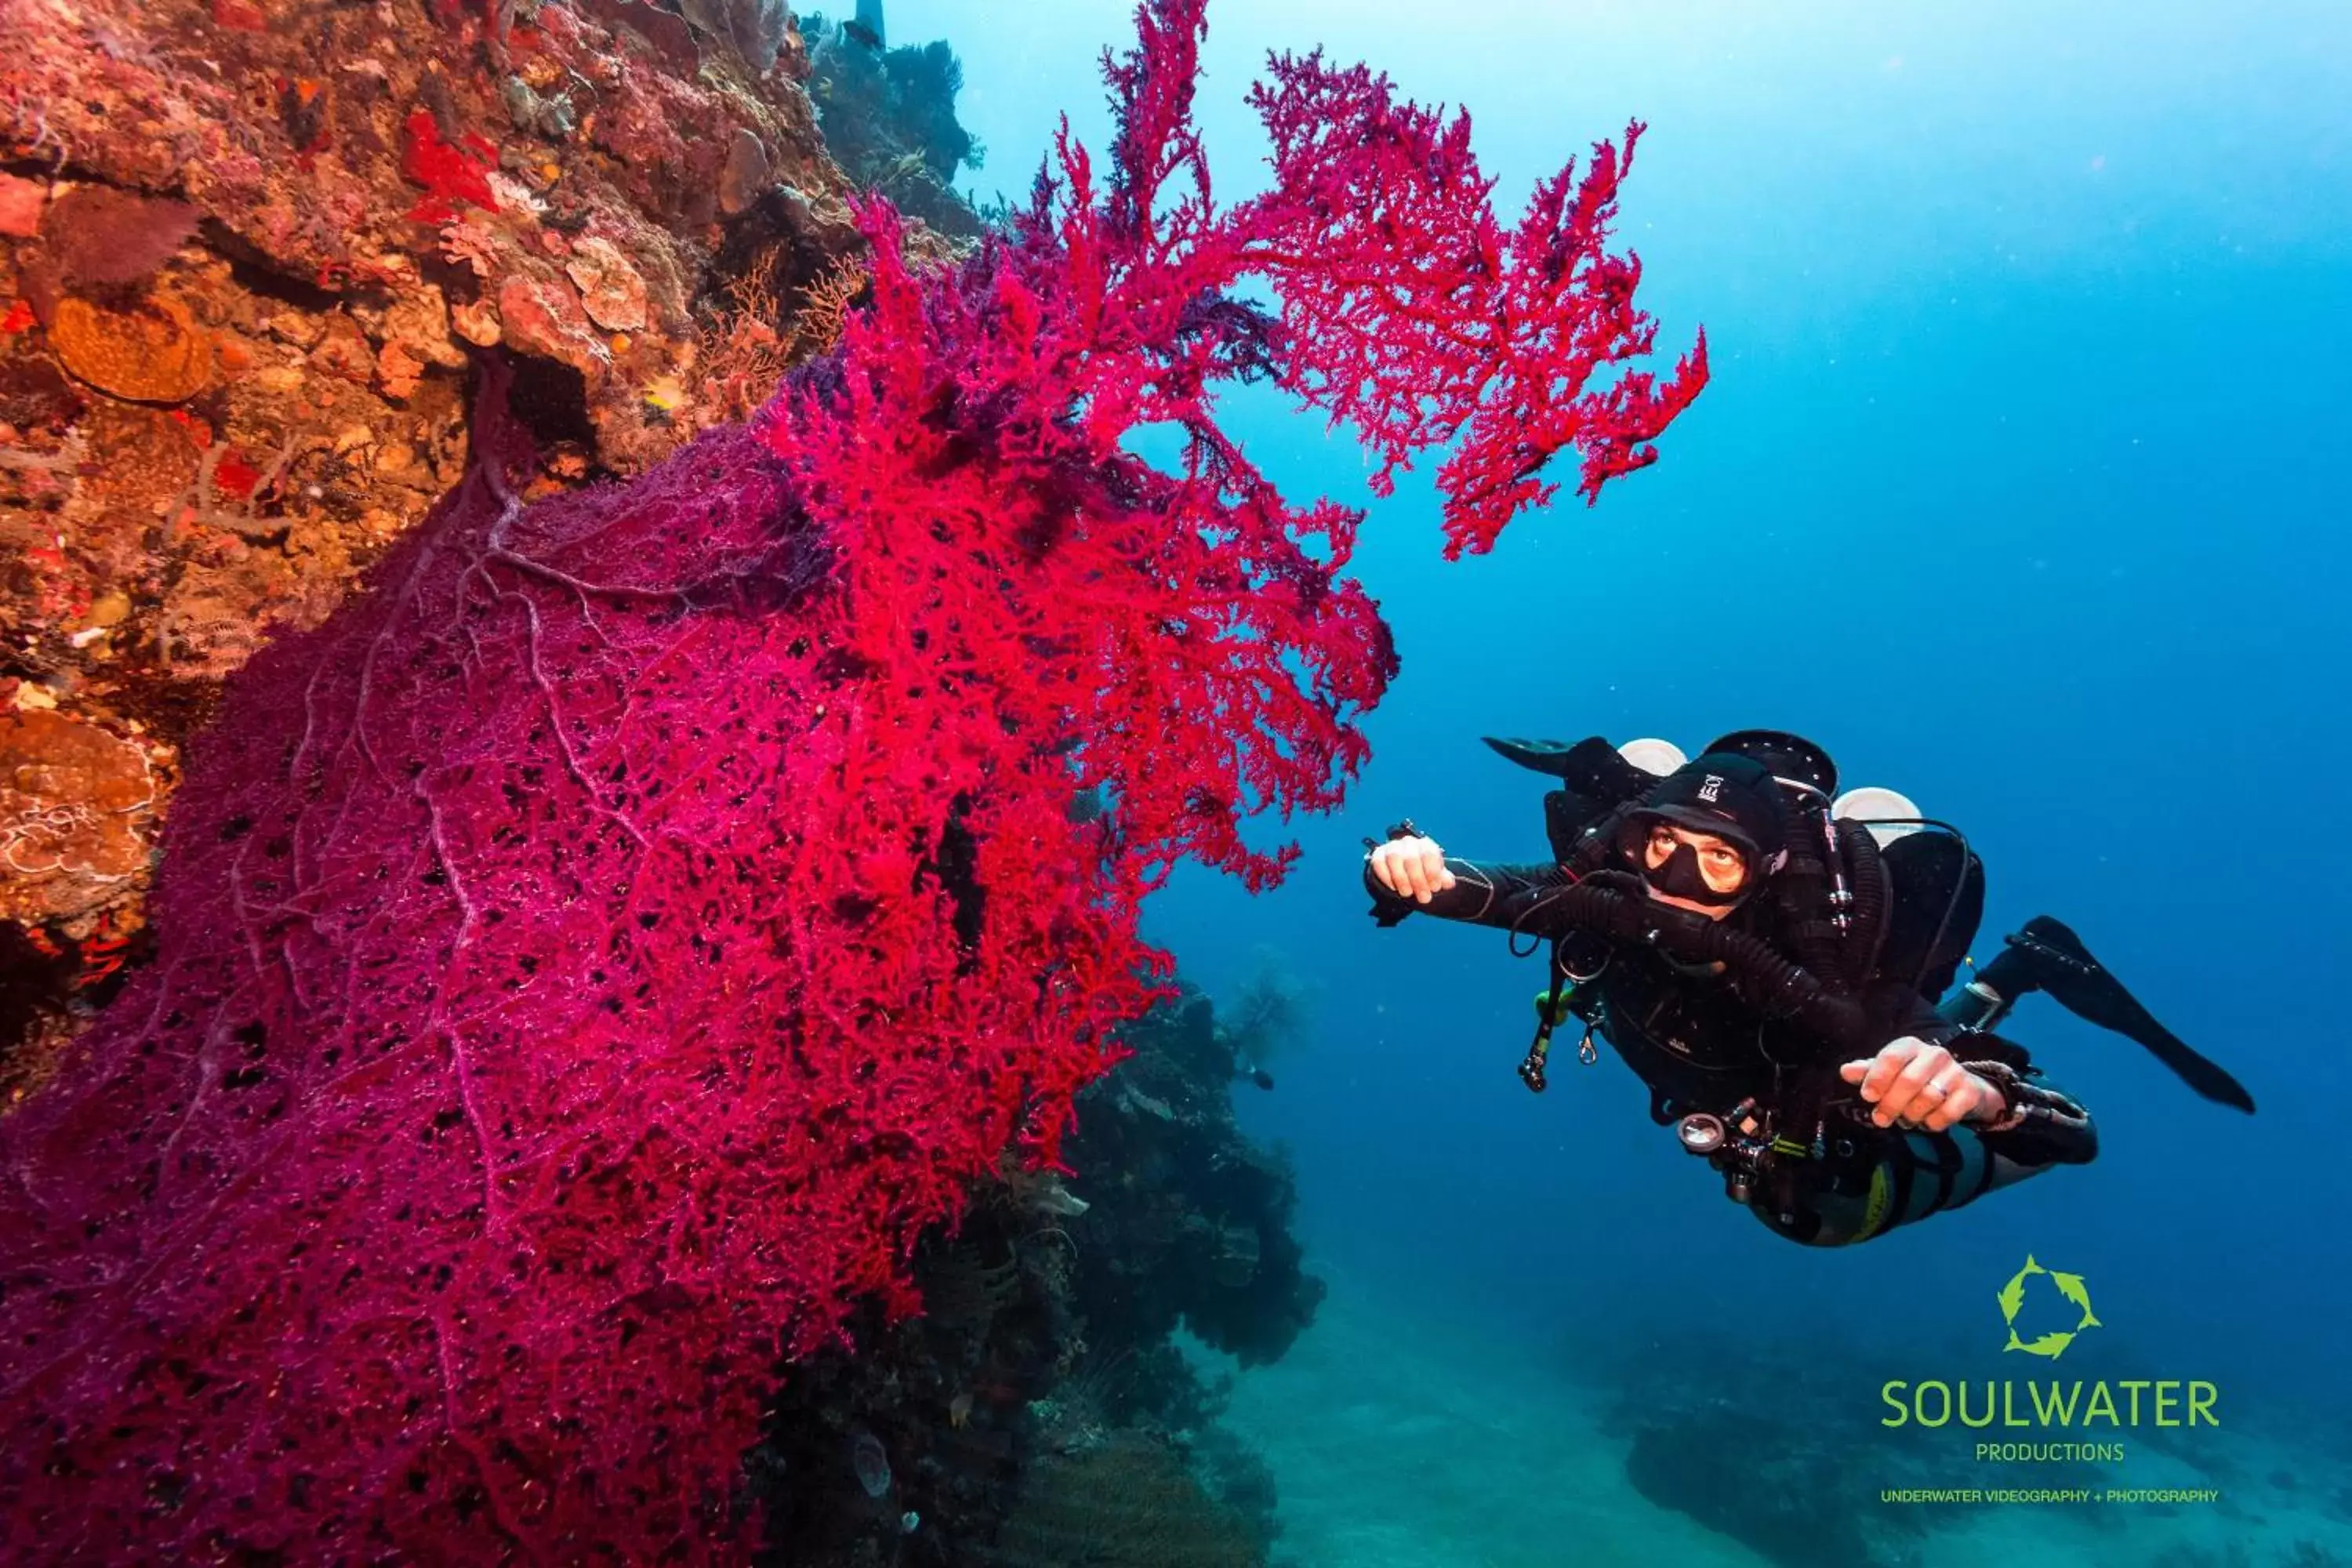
[247, 250]
[592, 958]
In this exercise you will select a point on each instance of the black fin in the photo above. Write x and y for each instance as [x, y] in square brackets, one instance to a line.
[1548, 757]
[1591, 767]
[2060, 964]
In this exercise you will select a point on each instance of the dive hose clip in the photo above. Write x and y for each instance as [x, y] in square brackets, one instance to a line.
[1552, 1008]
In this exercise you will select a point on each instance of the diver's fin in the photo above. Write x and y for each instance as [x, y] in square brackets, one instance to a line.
[2059, 964]
[1591, 767]
[1543, 757]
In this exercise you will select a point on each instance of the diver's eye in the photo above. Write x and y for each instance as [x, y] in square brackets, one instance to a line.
[1723, 868]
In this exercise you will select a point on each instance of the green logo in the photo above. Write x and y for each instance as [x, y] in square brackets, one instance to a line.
[2013, 1297]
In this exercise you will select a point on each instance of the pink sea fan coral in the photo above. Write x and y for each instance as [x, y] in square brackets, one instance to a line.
[609, 941]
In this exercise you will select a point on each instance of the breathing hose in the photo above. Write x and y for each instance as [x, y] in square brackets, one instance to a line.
[1762, 978]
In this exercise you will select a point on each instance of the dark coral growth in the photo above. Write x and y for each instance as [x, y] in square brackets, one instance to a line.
[1192, 1222]
[619, 935]
[889, 118]
[1692, 1408]
[1270, 1015]
[1042, 1364]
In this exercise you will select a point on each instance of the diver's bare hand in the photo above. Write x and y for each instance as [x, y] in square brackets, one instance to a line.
[1920, 1084]
[1412, 869]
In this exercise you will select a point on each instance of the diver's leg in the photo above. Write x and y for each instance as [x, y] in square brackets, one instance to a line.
[1991, 992]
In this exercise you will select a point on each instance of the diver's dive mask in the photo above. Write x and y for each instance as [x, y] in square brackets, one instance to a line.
[1719, 809]
[1716, 872]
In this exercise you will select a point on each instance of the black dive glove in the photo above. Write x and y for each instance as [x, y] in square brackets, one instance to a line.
[2041, 1126]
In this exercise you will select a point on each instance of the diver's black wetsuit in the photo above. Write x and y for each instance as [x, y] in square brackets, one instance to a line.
[1834, 1178]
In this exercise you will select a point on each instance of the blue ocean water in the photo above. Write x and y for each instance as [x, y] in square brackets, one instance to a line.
[2022, 485]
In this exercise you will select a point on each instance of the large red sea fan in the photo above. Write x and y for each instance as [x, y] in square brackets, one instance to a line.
[604, 947]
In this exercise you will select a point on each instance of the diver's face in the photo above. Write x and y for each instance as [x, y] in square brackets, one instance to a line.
[1721, 866]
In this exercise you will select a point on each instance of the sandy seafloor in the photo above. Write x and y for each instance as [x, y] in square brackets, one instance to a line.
[1400, 1441]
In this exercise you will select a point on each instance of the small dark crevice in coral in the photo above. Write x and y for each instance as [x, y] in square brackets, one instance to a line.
[32, 996]
[550, 401]
[254, 270]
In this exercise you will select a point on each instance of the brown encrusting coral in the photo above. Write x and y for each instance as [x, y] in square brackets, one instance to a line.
[73, 801]
[249, 251]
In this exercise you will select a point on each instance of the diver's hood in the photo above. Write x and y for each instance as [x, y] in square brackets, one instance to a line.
[1722, 794]
[1594, 767]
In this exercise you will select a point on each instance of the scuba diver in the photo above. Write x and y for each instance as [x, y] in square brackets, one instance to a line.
[1766, 956]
